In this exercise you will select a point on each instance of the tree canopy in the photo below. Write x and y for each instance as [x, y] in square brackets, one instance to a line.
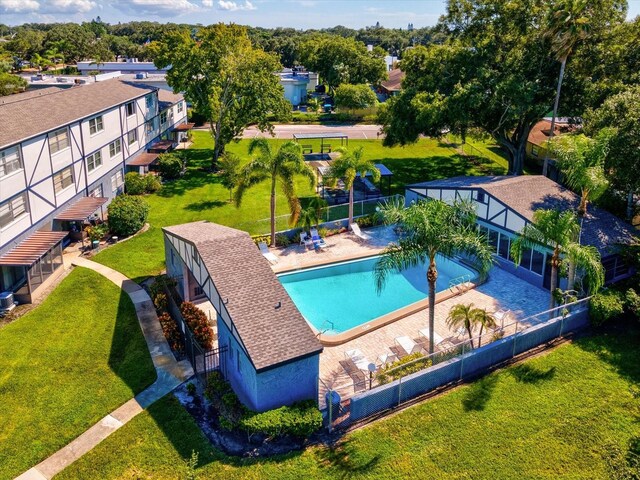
[354, 96]
[227, 80]
[496, 73]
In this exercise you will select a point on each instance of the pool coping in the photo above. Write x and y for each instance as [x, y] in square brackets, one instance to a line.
[333, 340]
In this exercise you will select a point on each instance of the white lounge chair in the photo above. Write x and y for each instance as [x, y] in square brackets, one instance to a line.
[436, 338]
[387, 358]
[501, 315]
[318, 241]
[357, 357]
[305, 240]
[355, 228]
[408, 345]
[267, 254]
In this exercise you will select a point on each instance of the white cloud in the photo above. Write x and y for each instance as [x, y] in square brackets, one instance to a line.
[234, 6]
[19, 6]
[207, 3]
[68, 6]
[157, 7]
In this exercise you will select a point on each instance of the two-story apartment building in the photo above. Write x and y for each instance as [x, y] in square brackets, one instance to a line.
[63, 153]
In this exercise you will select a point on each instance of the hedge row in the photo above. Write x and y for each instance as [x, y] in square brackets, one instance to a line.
[298, 420]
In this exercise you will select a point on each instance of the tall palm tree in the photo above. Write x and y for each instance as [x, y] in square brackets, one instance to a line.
[568, 23]
[431, 228]
[282, 165]
[346, 167]
[556, 230]
[587, 259]
[485, 320]
[462, 315]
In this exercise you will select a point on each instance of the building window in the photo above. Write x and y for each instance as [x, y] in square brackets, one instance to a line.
[96, 192]
[493, 240]
[481, 196]
[149, 101]
[132, 136]
[12, 209]
[534, 150]
[537, 262]
[503, 246]
[180, 107]
[151, 126]
[94, 161]
[63, 179]
[238, 359]
[59, 140]
[163, 118]
[116, 180]
[115, 148]
[96, 125]
[130, 108]
[10, 161]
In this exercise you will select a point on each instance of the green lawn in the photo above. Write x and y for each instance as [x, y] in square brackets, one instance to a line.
[555, 416]
[200, 196]
[65, 365]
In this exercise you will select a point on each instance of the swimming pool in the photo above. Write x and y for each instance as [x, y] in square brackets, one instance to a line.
[338, 297]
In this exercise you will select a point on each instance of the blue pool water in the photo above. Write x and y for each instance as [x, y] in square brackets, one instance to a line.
[338, 297]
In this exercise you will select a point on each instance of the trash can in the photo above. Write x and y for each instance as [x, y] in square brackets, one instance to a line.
[333, 400]
[95, 244]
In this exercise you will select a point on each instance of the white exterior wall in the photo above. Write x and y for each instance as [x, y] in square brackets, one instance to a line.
[39, 164]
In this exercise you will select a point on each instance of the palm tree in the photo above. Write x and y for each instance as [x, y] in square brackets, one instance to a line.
[587, 258]
[485, 320]
[431, 228]
[581, 160]
[461, 315]
[282, 165]
[556, 230]
[568, 23]
[347, 166]
[312, 215]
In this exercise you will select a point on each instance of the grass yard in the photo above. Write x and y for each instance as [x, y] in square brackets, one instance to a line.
[559, 415]
[200, 196]
[65, 365]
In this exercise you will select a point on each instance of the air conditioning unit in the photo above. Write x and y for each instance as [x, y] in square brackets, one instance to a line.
[6, 303]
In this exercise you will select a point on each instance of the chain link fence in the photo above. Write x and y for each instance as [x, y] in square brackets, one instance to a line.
[457, 358]
[334, 213]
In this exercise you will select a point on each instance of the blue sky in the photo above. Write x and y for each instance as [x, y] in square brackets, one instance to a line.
[265, 13]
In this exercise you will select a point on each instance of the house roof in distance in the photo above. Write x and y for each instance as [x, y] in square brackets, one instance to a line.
[25, 115]
[525, 194]
[539, 134]
[272, 335]
[394, 84]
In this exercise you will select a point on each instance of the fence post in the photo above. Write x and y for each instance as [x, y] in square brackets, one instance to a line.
[330, 410]
[399, 391]
[461, 360]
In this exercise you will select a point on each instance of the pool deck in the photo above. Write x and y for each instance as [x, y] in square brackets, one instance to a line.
[502, 290]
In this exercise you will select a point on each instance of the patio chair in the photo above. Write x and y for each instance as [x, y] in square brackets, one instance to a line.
[318, 241]
[423, 339]
[305, 240]
[386, 359]
[358, 358]
[267, 254]
[358, 376]
[355, 228]
[501, 315]
[405, 346]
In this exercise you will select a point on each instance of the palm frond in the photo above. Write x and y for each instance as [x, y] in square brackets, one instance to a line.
[397, 257]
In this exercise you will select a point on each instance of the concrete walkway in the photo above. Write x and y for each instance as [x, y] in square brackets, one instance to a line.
[170, 374]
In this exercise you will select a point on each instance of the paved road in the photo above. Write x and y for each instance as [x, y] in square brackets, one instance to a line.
[366, 132]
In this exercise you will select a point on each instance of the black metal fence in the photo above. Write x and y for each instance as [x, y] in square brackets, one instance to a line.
[202, 361]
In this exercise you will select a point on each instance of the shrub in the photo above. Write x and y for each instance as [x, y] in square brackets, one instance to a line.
[160, 301]
[370, 220]
[261, 239]
[299, 420]
[127, 215]
[632, 302]
[171, 332]
[96, 232]
[282, 240]
[151, 183]
[160, 283]
[410, 364]
[355, 96]
[170, 165]
[198, 324]
[606, 305]
[134, 183]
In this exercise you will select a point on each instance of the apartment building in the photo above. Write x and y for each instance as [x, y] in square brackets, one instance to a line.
[63, 155]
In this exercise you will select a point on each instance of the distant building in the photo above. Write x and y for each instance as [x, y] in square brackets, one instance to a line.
[129, 65]
[296, 84]
[538, 141]
[63, 155]
[393, 85]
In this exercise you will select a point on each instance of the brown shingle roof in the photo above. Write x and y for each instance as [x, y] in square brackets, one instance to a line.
[539, 134]
[243, 276]
[31, 114]
[527, 193]
[394, 84]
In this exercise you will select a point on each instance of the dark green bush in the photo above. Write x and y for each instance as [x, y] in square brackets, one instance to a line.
[606, 305]
[197, 321]
[299, 420]
[632, 302]
[134, 183]
[370, 220]
[127, 215]
[282, 240]
[170, 165]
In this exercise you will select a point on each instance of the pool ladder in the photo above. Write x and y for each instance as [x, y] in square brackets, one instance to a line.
[323, 329]
[460, 284]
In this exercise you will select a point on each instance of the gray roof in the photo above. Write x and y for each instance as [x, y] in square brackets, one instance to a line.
[527, 193]
[243, 276]
[28, 114]
[167, 98]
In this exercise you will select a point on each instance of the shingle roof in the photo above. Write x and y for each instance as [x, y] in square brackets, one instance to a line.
[240, 273]
[167, 98]
[28, 114]
[539, 134]
[527, 193]
[394, 84]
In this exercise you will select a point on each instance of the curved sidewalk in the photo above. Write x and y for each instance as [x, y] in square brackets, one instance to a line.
[170, 374]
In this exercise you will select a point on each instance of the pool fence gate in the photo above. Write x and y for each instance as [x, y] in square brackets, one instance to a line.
[454, 362]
